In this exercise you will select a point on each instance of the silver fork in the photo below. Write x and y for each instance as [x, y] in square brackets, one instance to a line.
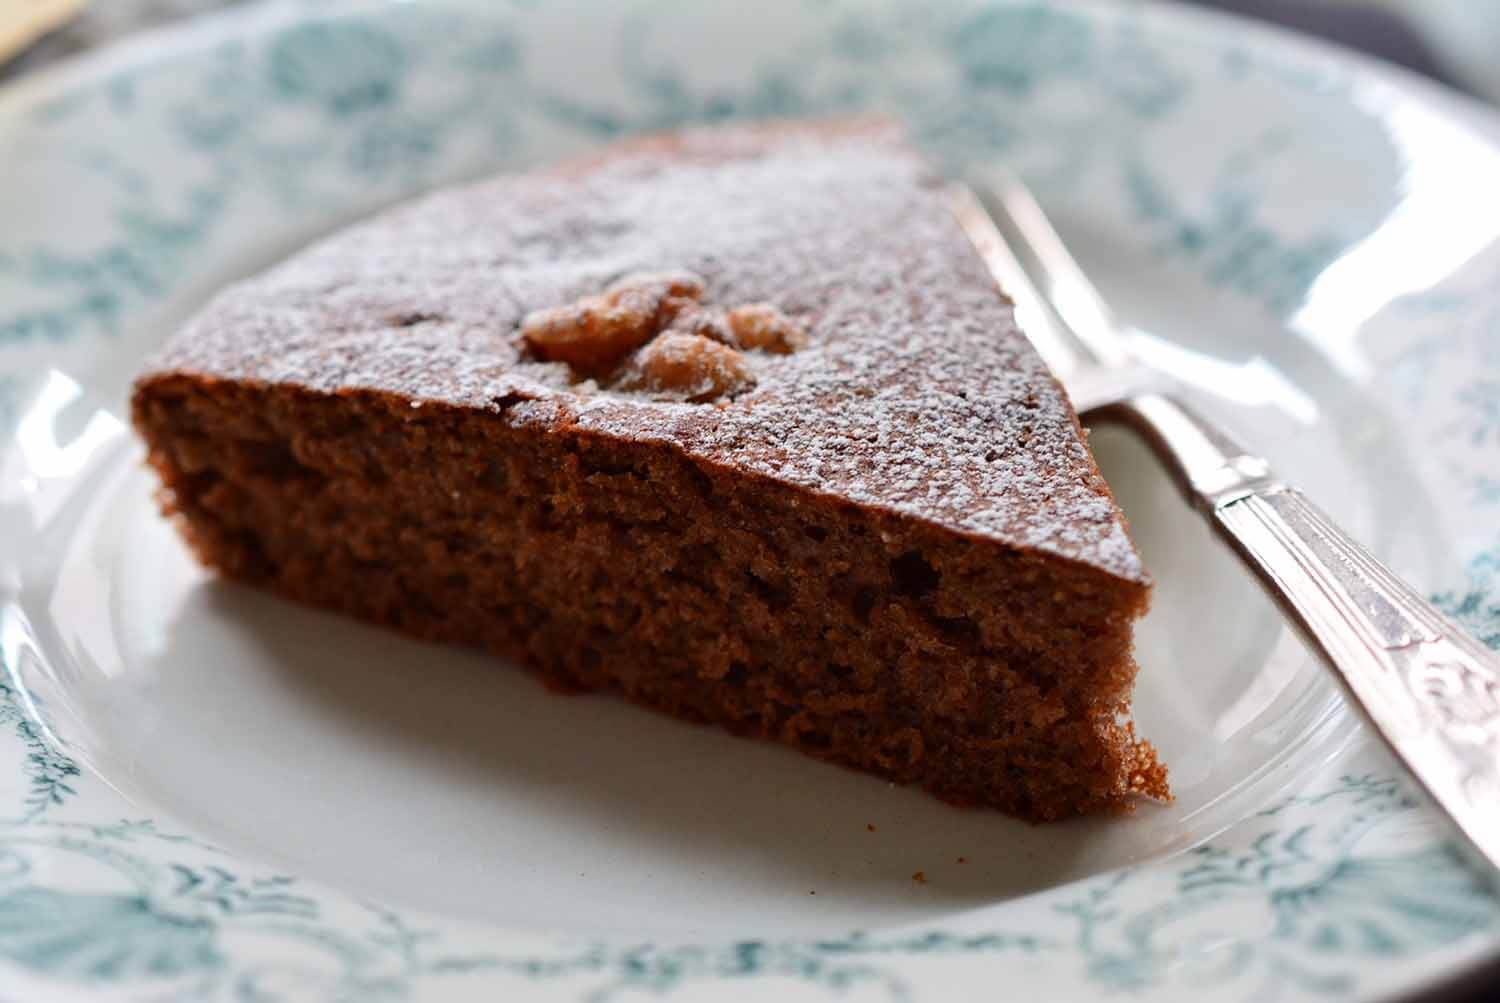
[1431, 691]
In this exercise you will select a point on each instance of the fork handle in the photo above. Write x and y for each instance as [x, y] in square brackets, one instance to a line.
[1431, 690]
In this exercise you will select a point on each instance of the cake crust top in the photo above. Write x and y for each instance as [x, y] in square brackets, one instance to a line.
[914, 392]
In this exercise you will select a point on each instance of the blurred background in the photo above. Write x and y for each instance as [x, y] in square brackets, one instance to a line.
[1454, 41]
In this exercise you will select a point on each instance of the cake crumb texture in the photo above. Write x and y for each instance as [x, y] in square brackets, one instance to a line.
[884, 542]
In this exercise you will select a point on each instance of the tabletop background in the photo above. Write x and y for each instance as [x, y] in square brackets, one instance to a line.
[1448, 40]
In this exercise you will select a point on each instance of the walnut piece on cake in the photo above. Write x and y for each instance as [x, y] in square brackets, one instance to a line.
[690, 367]
[594, 333]
[762, 326]
[649, 333]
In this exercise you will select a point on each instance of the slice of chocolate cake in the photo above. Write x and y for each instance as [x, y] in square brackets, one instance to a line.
[732, 422]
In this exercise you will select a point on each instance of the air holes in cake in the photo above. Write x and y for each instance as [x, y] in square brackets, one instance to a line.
[958, 631]
[415, 605]
[813, 740]
[901, 750]
[411, 318]
[816, 533]
[698, 556]
[505, 402]
[863, 603]
[496, 475]
[775, 596]
[701, 480]
[912, 576]
[542, 518]
[803, 730]
[838, 671]
[602, 467]
[250, 559]
[695, 565]
[629, 616]
[276, 460]
[992, 456]
[738, 675]
[374, 472]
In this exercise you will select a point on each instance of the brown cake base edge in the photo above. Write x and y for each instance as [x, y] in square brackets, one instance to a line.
[989, 676]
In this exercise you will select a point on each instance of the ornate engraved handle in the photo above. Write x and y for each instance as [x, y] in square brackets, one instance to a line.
[1431, 690]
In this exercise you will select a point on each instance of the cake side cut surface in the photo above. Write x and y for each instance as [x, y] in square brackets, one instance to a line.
[818, 488]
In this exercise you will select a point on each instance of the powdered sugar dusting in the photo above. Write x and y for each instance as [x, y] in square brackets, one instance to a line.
[915, 392]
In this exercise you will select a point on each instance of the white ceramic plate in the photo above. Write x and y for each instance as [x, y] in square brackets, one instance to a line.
[212, 794]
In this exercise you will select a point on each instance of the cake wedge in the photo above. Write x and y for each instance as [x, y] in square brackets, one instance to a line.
[732, 422]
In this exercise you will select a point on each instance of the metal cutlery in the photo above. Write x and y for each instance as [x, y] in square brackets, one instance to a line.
[1430, 690]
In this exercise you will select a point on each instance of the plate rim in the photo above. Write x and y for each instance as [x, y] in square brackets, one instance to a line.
[162, 44]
